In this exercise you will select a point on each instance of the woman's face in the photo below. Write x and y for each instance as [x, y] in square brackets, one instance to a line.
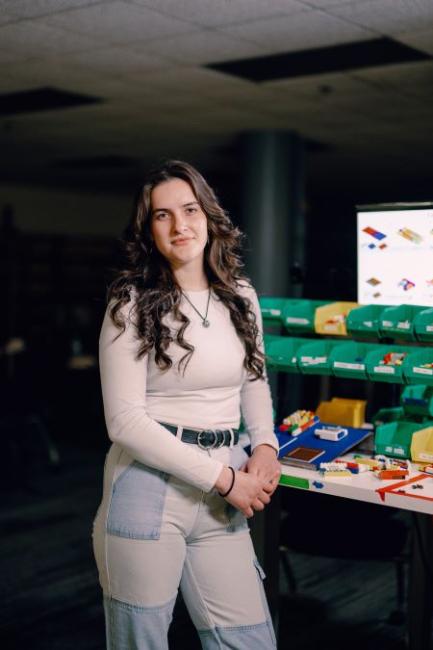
[178, 224]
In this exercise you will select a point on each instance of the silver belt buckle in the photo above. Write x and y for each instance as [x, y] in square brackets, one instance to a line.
[212, 445]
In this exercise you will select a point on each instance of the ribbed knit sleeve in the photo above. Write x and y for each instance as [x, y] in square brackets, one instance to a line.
[256, 399]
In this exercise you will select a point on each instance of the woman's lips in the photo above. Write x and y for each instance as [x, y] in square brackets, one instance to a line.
[181, 242]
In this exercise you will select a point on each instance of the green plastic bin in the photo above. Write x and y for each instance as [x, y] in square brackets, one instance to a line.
[271, 308]
[281, 353]
[398, 322]
[418, 367]
[395, 438]
[364, 321]
[423, 325]
[348, 360]
[376, 371]
[386, 415]
[313, 358]
[298, 315]
[417, 400]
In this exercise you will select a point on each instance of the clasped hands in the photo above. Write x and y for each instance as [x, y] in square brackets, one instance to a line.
[255, 481]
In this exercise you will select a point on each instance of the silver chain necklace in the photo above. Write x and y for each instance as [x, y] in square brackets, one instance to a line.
[204, 320]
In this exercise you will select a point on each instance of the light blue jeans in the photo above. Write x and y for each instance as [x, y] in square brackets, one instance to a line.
[154, 533]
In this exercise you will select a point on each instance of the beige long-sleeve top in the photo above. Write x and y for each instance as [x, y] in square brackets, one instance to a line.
[212, 393]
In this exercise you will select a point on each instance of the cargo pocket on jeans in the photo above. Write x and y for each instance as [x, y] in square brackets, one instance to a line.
[260, 577]
[137, 502]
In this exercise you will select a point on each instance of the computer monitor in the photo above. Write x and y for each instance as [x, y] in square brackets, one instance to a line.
[395, 254]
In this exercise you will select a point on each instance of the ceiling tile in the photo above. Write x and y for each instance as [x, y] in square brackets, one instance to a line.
[7, 57]
[200, 82]
[62, 74]
[388, 16]
[420, 40]
[300, 32]
[118, 22]
[33, 8]
[117, 60]
[201, 47]
[410, 80]
[325, 4]
[6, 18]
[213, 13]
[32, 39]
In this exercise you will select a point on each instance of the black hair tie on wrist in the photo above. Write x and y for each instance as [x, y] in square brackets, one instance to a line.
[231, 484]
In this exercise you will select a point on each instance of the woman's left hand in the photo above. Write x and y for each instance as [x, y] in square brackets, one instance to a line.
[266, 466]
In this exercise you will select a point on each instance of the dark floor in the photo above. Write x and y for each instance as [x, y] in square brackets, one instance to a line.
[50, 599]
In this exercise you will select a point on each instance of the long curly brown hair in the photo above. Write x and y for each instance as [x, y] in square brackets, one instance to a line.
[147, 275]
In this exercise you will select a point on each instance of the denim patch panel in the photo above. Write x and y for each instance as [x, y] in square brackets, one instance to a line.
[237, 520]
[246, 637]
[137, 502]
[131, 626]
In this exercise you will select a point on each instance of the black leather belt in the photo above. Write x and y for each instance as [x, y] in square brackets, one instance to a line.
[208, 438]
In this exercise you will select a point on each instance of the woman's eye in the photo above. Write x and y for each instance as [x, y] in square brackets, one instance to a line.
[161, 215]
[191, 210]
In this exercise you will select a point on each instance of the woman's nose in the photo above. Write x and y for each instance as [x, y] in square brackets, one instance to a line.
[179, 223]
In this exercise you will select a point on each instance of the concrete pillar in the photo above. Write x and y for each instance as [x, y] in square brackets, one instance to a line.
[273, 173]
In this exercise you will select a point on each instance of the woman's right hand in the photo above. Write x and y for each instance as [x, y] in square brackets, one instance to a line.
[247, 493]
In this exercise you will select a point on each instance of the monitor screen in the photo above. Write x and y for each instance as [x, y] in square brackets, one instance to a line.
[395, 254]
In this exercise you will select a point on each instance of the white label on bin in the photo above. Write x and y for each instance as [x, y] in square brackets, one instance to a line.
[403, 325]
[331, 327]
[429, 328]
[385, 370]
[368, 323]
[312, 360]
[275, 312]
[297, 321]
[425, 456]
[293, 359]
[423, 371]
[387, 323]
[350, 366]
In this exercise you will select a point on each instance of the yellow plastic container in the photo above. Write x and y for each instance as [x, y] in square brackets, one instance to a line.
[343, 411]
[331, 318]
[421, 449]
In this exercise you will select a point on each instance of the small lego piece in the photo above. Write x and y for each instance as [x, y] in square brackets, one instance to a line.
[391, 474]
[355, 468]
[344, 473]
[393, 359]
[299, 421]
[370, 462]
[334, 469]
[428, 469]
[331, 433]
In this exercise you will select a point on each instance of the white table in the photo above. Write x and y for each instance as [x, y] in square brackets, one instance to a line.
[361, 487]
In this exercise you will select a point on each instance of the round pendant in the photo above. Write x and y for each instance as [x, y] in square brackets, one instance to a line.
[205, 323]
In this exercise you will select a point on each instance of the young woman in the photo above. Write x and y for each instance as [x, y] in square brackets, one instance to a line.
[181, 358]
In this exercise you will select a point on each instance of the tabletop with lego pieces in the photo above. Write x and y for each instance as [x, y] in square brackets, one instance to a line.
[414, 493]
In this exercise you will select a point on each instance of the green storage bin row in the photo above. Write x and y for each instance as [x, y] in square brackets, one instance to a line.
[403, 322]
[352, 359]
